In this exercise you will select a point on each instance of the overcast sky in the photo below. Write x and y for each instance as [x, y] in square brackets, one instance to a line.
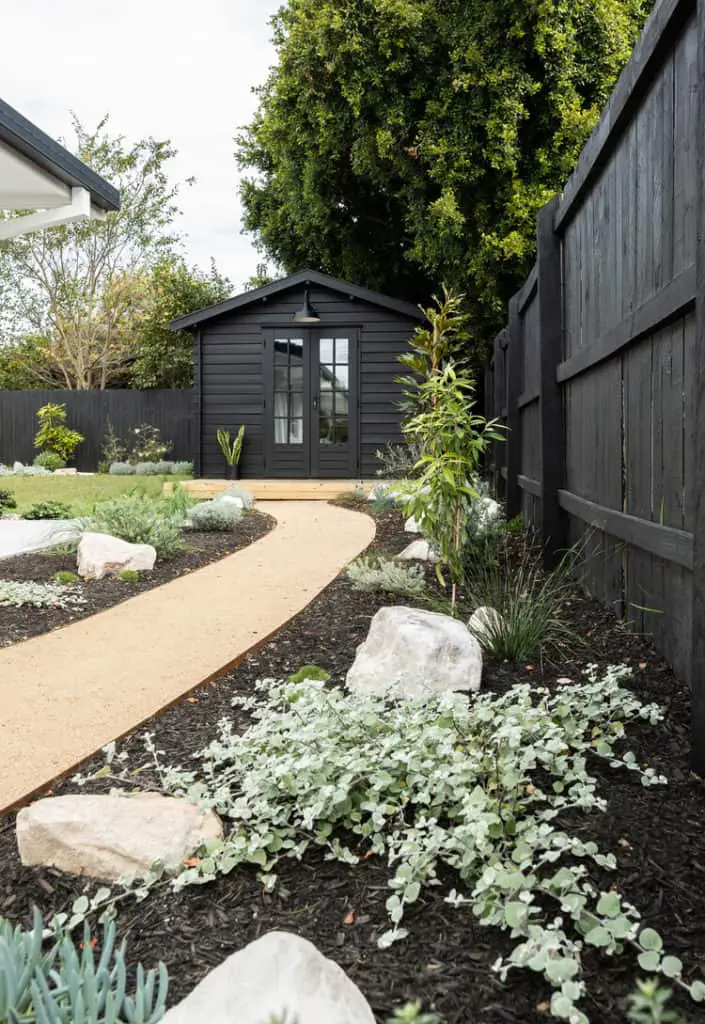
[173, 69]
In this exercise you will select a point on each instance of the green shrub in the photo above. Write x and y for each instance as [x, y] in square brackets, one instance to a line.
[113, 449]
[177, 502]
[182, 468]
[384, 575]
[310, 672]
[7, 500]
[66, 577]
[128, 576]
[145, 444]
[57, 984]
[214, 516]
[48, 510]
[122, 469]
[50, 460]
[529, 600]
[53, 434]
[138, 520]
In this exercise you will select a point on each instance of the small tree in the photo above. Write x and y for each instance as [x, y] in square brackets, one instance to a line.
[432, 348]
[453, 438]
[53, 434]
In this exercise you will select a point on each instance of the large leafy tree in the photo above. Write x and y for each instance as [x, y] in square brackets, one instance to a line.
[401, 143]
[78, 290]
[165, 360]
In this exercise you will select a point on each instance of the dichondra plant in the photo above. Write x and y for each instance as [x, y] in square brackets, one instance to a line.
[60, 985]
[485, 787]
[18, 593]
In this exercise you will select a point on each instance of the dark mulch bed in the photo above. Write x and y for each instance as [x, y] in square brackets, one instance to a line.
[201, 549]
[657, 834]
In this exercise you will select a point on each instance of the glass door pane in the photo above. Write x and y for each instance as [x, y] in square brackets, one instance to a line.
[333, 388]
[288, 391]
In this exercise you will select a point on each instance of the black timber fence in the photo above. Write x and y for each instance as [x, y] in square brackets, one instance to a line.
[90, 412]
[600, 372]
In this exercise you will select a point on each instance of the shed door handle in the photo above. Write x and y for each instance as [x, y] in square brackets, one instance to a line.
[315, 402]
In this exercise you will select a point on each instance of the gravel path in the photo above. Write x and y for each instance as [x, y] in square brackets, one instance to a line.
[68, 693]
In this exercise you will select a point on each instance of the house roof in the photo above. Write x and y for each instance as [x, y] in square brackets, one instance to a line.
[43, 169]
[302, 277]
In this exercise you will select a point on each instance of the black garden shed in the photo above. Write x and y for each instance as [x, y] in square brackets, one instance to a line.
[308, 364]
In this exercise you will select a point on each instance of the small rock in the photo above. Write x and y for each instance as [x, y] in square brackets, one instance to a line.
[412, 525]
[110, 837]
[66, 471]
[485, 619]
[418, 551]
[17, 467]
[277, 974]
[411, 652]
[101, 555]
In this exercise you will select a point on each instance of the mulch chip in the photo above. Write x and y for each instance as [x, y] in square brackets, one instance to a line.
[657, 835]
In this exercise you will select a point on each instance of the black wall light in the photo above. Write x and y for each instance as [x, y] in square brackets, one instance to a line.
[307, 314]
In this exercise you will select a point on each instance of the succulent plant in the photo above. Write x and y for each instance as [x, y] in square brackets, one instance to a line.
[59, 985]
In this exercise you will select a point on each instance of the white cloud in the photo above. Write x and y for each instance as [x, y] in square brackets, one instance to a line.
[169, 68]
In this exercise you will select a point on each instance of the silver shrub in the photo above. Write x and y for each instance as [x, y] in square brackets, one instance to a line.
[17, 594]
[214, 516]
[122, 469]
[182, 468]
[384, 574]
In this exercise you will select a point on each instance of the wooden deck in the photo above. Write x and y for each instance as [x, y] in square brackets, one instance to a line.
[278, 490]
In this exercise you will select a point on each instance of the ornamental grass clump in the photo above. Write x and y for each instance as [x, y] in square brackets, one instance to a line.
[139, 520]
[57, 983]
[497, 789]
[18, 594]
[384, 575]
[531, 602]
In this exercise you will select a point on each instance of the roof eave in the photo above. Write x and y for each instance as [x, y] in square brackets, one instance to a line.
[199, 316]
[26, 138]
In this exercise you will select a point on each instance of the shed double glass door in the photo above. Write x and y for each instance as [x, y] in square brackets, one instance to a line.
[312, 404]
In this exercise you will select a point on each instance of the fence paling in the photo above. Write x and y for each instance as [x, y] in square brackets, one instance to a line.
[604, 369]
[90, 412]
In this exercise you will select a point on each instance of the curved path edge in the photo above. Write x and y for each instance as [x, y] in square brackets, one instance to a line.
[65, 694]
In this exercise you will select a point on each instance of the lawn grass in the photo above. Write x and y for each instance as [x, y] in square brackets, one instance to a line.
[80, 493]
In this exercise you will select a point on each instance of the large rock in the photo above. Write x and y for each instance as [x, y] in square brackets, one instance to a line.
[485, 620]
[110, 837]
[101, 555]
[418, 551]
[409, 652]
[278, 974]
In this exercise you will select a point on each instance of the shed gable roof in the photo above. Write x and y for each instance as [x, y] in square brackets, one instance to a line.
[301, 277]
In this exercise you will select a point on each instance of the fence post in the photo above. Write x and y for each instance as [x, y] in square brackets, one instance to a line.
[549, 297]
[697, 436]
[515, 372]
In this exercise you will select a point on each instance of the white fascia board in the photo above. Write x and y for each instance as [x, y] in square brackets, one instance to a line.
[78, 209]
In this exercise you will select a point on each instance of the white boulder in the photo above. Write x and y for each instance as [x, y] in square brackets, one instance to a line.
[412, 525]
[411, 652]
[111, 837]
[276, 975]
[381, 491]
[66, 471]
[17, 467]
[485, 619]
[101, 555]
[418, 551]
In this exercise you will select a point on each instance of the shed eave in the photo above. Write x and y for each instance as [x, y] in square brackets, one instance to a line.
[353, 291]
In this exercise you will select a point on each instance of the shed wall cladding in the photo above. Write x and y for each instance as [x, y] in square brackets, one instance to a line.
[233, 373]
